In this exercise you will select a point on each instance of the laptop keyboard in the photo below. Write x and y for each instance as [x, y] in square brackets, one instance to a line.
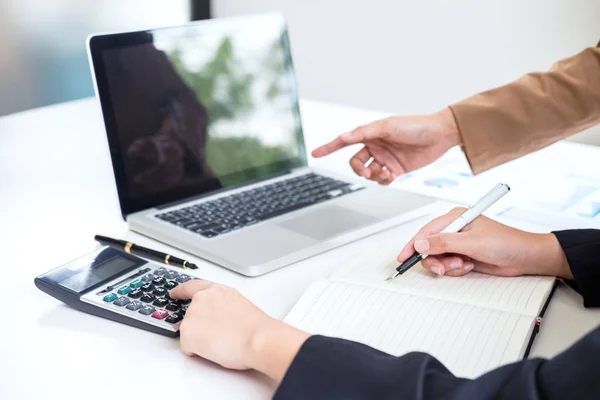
[233, 212]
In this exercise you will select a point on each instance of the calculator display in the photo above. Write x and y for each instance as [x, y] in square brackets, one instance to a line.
[95, 273]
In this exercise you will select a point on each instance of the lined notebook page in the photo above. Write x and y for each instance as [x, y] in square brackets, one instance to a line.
[469, 340]
[525, 295]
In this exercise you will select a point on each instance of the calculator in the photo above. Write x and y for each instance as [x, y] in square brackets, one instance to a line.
[121, 287]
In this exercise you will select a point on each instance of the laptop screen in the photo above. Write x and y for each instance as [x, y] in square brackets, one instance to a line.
[194, 109]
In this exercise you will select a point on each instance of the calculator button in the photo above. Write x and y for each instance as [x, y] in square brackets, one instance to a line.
[160, 302]
[122, 301]
[160, 271]
[148, 277]
[136, 284]
[110, 297]
[170, 285]
[147, 310]
[124, 290]
[159, 281]
[134, 305]
[174, 318]
[135, 294]
[147, 298]
[159, 291]
[186, 301]
[147, 287]
[173, 306]
[183, 278]
[160, 314]
[171, 275]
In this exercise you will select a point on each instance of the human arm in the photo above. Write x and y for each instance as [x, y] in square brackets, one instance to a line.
[582, 251]
[223, 326]
[490, 247]
[530, 113]
[334, 368]
[491, 127]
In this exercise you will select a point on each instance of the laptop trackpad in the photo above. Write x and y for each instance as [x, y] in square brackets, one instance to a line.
[327, 222]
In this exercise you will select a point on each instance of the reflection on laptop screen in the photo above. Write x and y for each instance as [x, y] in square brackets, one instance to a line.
[199, 108]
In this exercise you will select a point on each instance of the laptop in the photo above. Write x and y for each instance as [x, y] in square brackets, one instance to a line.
[206, 143]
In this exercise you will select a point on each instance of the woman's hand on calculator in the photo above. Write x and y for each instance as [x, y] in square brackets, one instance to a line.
[223, 326]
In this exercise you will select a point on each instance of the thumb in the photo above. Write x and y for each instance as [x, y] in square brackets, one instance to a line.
[431, 228]
[441, 243]
[188, 289]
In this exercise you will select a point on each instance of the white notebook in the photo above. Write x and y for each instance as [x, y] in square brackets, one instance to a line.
[471, 324]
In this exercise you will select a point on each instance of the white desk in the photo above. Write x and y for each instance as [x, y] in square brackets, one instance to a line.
[56, 192]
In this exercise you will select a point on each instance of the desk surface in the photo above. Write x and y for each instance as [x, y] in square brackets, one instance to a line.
[57, 191]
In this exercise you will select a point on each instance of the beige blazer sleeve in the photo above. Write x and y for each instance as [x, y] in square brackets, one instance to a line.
[533, 112]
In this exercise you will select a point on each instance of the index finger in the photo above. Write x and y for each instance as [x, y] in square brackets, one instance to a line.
[188, 289]
[431, 228]
[333, 146]
[372, 130]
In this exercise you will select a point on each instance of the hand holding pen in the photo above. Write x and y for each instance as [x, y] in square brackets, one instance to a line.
[457, 224]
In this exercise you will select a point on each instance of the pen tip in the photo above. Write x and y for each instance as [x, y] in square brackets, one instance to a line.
[395, 274]
[192, 266]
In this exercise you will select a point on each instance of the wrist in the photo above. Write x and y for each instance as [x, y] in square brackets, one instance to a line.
[448, 127]
[273, 346]
[550, 258]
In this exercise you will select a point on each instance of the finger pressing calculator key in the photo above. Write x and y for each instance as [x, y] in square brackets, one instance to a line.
[120, 287]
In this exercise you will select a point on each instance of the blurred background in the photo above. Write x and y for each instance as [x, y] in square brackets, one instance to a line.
[401, 56]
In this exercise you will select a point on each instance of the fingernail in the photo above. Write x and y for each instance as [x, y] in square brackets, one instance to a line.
[345, 135]
[422, 245]
[455, 264]
[437, 270]
[469, 266]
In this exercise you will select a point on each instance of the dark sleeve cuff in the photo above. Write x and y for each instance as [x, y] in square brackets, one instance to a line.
[328, 368]
[582, 249]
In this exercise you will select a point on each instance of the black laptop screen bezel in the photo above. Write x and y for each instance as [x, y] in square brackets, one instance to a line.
[97, 45]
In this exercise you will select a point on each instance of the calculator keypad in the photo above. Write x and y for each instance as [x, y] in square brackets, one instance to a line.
[134, 305]
[147, 287]
[121, 301]
[160, 302]
[147, 310]
[135, 294]
[146, 297]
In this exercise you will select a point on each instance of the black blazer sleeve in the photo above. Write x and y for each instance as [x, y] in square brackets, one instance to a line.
[582, 248]
[330, 368]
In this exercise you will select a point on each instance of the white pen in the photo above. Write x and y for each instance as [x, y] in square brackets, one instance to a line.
[466, 218]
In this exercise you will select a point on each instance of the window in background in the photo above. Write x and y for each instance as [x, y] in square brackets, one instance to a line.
[43, 56]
